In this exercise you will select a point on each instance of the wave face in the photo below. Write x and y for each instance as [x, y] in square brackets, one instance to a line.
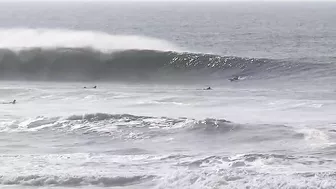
[91, 56]
[88, 64]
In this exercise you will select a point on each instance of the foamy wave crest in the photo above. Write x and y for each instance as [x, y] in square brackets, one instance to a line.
[18, 39]
[120, 126]
[50, 180]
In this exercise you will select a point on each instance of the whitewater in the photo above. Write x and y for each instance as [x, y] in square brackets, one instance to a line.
[112, 95]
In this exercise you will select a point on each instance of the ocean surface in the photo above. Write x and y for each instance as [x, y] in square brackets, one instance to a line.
[149, 123]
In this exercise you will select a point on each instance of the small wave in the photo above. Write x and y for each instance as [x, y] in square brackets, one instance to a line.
[104, 116]
[120, 126]
[72, 181]
[154, 102]
[214, 126]
[244, 160]
[253, 160]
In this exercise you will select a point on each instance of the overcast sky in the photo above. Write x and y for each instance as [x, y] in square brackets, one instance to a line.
[173, 0]
[167, 0]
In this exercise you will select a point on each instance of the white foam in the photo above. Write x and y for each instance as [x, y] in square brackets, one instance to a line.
[18, 39]
[263, 172]
[315, 137]
[46, 180]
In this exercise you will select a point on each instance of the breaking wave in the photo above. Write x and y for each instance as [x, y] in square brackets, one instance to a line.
[91, 56]
[88, 64]
[120, 126]
[131, 127]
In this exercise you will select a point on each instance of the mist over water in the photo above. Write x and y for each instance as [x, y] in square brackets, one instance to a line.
[112, 95]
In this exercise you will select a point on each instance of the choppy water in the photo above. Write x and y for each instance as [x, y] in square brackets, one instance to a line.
[149, 123]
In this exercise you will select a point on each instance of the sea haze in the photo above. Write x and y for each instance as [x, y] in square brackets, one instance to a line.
[111, 94]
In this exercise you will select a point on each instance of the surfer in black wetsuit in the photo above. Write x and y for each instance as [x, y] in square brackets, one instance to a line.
[95, 87]
[14, 101]
[209, 88]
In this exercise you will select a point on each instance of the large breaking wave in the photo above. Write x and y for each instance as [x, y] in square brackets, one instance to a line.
[85, 56]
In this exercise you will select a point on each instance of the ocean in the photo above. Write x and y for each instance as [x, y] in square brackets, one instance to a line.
[112, 95]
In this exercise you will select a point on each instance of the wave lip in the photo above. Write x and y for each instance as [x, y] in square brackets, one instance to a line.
[20, 39]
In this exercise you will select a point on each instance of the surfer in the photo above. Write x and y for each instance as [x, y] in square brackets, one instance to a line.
[209, 88]
[235, 78]
[14, 101]
[92, 87]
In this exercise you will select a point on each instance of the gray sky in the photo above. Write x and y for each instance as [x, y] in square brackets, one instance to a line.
[168, 0]
[175, 0]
